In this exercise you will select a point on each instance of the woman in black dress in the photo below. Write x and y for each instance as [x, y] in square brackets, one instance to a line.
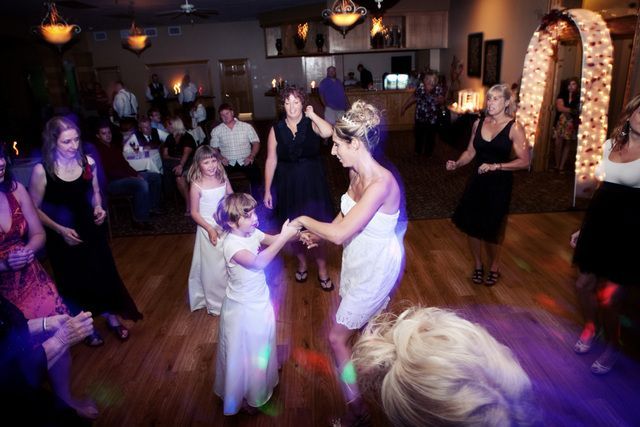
[64, 188]
[295, 180]
[483, 209]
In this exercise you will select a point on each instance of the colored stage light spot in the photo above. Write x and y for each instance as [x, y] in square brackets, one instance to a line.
[549, 304]
[312, 361]
[522, 264]
[348, 374]
[263, 357]
[271, 408]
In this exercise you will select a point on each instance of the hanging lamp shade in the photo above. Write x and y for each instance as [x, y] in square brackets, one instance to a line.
[137, 41]
[343, 14]
[54, 29]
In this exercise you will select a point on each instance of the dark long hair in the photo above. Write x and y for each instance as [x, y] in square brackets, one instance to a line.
[620, 134]
[52, 130]
[9, 184]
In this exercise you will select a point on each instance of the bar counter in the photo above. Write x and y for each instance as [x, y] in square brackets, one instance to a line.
[390, 102]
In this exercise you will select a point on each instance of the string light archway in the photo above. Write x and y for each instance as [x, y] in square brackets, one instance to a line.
[597, 63]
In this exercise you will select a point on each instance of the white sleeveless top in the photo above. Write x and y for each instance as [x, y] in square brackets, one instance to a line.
[627, 174]
[209, 201]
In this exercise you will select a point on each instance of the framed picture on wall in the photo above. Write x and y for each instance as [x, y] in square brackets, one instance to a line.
[492, 62]
[474, 54]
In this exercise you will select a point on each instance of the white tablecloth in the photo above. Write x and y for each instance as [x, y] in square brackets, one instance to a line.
[145, 160]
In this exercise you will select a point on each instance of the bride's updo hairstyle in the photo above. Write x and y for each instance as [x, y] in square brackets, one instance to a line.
[360, 122]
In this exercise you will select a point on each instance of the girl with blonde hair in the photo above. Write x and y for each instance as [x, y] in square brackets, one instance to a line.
[208, 276]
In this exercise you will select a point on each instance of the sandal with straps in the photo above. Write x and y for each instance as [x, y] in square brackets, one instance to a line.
[94, 340]
[301, 276]
[492, 278]
[478, 276]
[120, 331]
[326, 284]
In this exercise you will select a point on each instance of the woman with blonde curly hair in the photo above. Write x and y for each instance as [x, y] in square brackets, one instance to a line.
[366, 226]
[431, 367]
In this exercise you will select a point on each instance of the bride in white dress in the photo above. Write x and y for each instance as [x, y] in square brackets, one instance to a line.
[366, 226]
[208, 276]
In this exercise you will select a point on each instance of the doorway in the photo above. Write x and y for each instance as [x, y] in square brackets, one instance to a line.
[235, 86]
[567, 64]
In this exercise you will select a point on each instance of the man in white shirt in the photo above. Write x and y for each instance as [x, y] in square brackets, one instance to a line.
[238, 143]
[125, 103]
[188, 93]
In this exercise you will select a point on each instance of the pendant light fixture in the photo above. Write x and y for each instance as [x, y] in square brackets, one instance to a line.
[343, 14]
[54, 28]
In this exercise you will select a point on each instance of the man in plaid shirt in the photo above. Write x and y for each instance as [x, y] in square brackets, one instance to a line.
[238, 143]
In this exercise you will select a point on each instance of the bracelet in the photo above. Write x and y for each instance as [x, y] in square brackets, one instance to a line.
[44, 324]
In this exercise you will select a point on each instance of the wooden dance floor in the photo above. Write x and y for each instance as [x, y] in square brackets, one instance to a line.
[163, 376]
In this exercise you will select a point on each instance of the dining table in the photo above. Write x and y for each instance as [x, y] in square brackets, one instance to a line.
[145, 159]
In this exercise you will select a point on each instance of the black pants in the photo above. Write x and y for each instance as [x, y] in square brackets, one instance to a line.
[425, 137]
[252, 173]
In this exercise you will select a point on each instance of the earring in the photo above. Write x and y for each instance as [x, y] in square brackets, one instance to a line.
[626, 128]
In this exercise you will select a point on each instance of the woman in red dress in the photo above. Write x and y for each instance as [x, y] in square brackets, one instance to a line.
[25, 283]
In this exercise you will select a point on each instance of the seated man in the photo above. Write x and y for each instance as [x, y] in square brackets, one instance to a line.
[149, 136]
[122, 179]
[444, 370]
[238, 143]
[156, 119]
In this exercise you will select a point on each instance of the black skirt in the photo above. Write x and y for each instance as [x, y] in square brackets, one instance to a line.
[609, 234]
[483, 208]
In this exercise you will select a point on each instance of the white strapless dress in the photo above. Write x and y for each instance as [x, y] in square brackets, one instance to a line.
[371, 262]
[208, 275]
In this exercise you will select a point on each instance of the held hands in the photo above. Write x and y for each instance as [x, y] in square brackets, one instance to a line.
[177, 170]
[488, 167]
[268, 200]
[451, 165]
[99, 215]
[70, 236]
[574, 239]
[289, 230]
[213, 236]
[309, 239]
[73, 329]
[19, 258]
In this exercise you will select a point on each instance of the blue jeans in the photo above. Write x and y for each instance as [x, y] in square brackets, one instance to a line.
[155, 187]
[139, 190]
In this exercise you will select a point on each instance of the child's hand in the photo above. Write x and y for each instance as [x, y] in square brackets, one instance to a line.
[288, 231]
[213, 236]
[309, 239]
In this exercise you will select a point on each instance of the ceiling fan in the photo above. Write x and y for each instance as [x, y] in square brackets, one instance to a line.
[189, 10]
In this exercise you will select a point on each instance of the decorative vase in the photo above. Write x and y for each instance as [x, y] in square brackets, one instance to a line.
[299, 42]
[279, 46]
[319, 41]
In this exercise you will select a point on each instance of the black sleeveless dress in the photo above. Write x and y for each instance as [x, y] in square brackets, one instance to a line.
[484, 206]
[300, 183]
[85, 274]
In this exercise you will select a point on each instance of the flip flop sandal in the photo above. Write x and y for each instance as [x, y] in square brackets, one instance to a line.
[478, 276]
[326, 284]
[301, 276]
[94, 340]
[492, 278]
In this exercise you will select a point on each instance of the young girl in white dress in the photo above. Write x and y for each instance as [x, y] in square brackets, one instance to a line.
[366, 226]
[208, 275]
[246, 364]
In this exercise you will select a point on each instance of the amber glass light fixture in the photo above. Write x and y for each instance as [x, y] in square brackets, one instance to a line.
[137, 40]
[54, 29]
[343, 14]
